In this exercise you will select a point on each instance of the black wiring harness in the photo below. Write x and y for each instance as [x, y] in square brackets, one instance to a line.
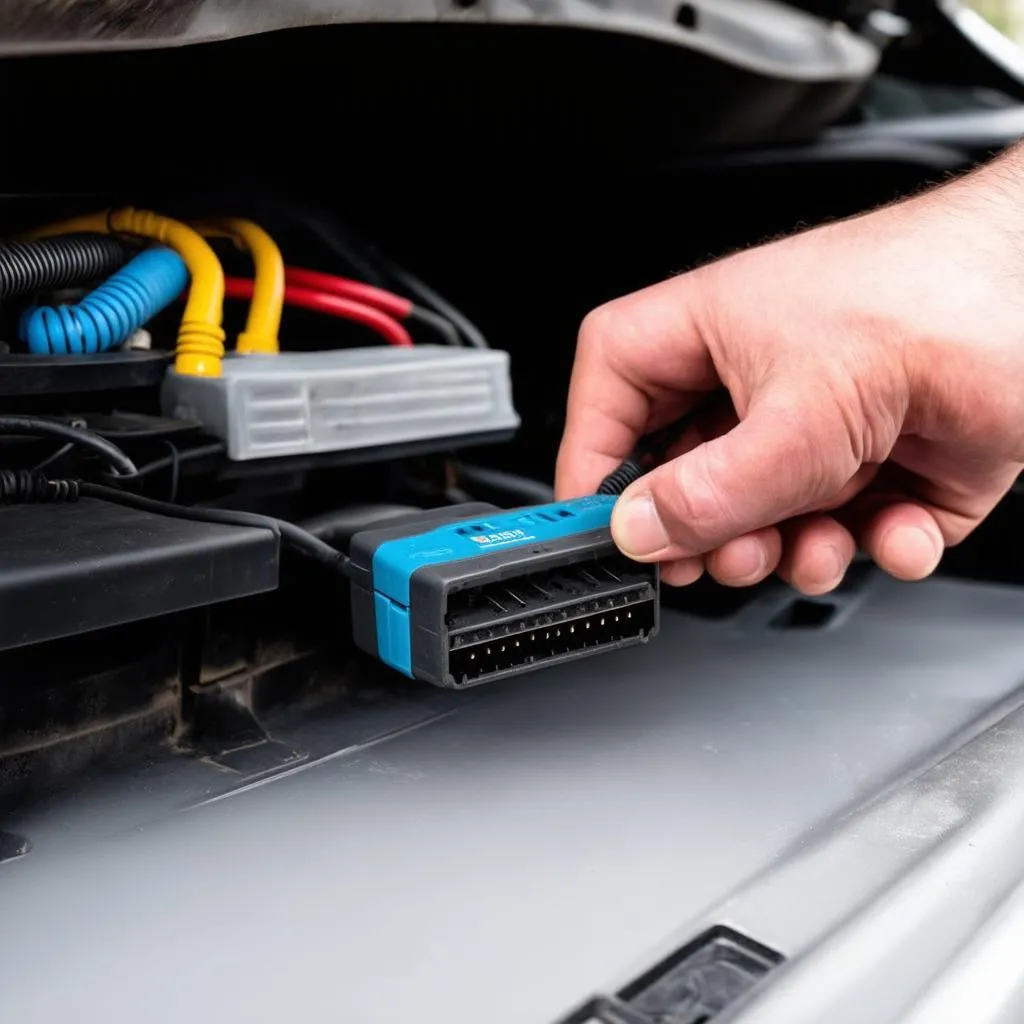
[121, 469]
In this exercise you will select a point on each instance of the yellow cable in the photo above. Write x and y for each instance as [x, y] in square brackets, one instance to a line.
[200, 346]
[264, 321]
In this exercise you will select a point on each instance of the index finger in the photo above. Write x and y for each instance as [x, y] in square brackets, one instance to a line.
[640, 362]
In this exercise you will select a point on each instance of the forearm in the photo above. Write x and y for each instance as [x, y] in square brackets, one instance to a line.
[989, 197]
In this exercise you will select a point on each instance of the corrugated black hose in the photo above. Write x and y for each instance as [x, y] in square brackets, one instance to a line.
[59, 262]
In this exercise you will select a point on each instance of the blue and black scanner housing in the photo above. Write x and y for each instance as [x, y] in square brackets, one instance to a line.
[463, 595]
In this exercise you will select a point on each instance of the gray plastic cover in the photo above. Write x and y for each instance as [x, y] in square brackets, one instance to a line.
[297, 403]
[852, 796]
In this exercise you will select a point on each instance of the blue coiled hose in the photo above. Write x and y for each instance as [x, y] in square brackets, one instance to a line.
[110, 315]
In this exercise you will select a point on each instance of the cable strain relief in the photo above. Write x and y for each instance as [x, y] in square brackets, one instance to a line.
[26, 486]
[254, 343]
[628, 472]
[200, 349]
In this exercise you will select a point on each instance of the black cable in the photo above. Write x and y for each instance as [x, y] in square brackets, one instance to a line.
[413, 285]
[340, 525]
[175, 458]
[652, 448]
[30, 426]
[448, 331]
[55, 457]
[331, 235]
[78, 424]
[58, 262]
[202, 451]
[294, 536]
[648, 450]
[627, 472]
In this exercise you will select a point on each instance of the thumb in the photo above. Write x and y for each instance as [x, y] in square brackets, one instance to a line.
[778, 461]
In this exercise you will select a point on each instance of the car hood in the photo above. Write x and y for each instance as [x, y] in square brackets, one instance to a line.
[761, 36]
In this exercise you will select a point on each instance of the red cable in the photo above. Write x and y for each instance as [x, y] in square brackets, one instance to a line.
[333, 305]
[396, 305]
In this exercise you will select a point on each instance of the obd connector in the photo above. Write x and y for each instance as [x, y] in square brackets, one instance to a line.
[464, 595]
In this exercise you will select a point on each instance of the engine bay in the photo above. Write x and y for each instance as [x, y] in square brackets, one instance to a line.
[282, 380]
[323, 342]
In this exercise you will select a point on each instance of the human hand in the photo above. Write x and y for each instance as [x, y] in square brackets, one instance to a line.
[876, 370]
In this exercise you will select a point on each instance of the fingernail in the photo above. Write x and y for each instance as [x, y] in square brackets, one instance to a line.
[682, 573]
[827, 569]
[910, 552]
[748, 558]
[637, 528]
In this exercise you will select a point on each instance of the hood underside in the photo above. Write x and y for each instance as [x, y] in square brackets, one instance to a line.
[759, 36]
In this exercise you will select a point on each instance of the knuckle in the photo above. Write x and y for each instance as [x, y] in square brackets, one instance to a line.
[602, 326]
[596, 325]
